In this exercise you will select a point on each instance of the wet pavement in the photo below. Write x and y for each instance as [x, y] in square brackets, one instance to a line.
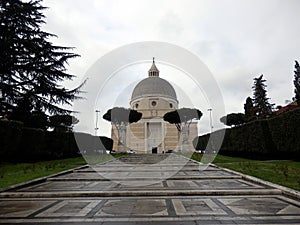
[150, 189]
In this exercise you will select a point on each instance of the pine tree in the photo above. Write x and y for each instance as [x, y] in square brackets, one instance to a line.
[31, 67]
[297, 83]
[262, 106]
[120, 118]
[233, 119]
[182, 119]
[249, 110]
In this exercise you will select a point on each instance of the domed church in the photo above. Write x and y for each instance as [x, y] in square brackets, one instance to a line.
[153, 97]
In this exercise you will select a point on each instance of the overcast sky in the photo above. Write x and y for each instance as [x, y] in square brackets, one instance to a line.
[237, 40]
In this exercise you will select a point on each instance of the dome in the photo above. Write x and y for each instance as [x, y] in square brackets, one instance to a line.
[153, 87]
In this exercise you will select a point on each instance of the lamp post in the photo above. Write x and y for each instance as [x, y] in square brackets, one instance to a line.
[96, 127]
[210, 119]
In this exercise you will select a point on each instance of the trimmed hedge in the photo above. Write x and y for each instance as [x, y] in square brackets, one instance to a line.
[207, 142]
[285, 131]
[10, 133]
[89, 144]
[106, 142]
[248, 140]
[21, 144]
[278, 137]
[31, 145]
[58, 145]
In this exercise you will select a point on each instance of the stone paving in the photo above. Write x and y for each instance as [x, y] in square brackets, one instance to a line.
[148, 189]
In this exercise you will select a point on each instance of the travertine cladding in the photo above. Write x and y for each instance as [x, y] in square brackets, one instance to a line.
[153, 97]
[153, 86]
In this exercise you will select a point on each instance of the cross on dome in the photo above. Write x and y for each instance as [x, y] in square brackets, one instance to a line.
[153, 72]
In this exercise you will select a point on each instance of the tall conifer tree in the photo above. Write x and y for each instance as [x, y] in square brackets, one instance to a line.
[297, 83]
[31, 67]
[249, 110]
[261, 104]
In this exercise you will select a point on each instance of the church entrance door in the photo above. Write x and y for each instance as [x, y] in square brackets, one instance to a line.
[154, 150]
[154, 136]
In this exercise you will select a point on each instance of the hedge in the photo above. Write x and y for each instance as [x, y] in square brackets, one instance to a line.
[59, 145]
[20, 143]
[278, 137]
[248, 140]
[207, 142]
[89, 144]
[10, 133]
[31, 145]
[285, 131]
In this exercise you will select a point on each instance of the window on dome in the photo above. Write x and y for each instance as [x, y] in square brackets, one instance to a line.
[171, 105]
[136, 105]
[153, 103]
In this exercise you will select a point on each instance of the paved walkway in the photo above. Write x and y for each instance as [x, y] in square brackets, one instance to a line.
[148, 189]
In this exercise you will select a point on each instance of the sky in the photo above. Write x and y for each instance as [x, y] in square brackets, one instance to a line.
[237, 40]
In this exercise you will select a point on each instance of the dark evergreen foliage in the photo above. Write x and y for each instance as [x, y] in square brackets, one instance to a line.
[11, 134]
[31, 67]
[38, 119]
[262, 106]
[121, 116]
[233, 119]
[274, 138]
[182, 117]
[62, 123]
[249, 110]
[297, 83]
[21, 144]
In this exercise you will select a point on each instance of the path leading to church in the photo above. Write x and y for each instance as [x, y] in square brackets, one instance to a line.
[148, 189]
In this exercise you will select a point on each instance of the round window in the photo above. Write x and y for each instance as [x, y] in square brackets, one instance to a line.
[153, 103]
[171, 105]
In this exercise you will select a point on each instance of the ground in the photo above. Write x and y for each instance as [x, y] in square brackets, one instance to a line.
[149, 189]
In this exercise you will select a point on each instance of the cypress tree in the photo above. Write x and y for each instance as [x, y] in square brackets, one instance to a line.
[297, 83]
[262, 106]
[249, 110]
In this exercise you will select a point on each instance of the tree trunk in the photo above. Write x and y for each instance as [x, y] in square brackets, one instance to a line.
[121, 137]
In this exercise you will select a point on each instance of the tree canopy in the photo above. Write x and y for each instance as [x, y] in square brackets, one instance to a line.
[31, 67]
[62, 122]
[233, 119]
[122, 116]
[297, 83]
[262, 106]
[249, 110]
[183, 116]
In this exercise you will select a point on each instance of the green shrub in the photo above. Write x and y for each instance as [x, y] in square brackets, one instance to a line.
[277, 137]
[250, 140]
[285, 132]
[10, 133]
[84, 142]
[31, 145]
[60, 145]
[89, 144]
[20, 143]
[106, 142]
[219, 139]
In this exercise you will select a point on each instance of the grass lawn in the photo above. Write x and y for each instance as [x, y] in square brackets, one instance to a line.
[16, 173]
[285, 173]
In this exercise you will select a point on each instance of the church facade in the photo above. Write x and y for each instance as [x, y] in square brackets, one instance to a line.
[154, 97]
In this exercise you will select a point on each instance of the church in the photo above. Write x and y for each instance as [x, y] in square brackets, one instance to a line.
[154, 97]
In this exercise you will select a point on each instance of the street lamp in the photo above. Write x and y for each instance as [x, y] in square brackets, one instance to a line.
[210, 119]
[96, 127]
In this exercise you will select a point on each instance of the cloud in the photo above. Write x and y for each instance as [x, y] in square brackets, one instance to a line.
[237, 40]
